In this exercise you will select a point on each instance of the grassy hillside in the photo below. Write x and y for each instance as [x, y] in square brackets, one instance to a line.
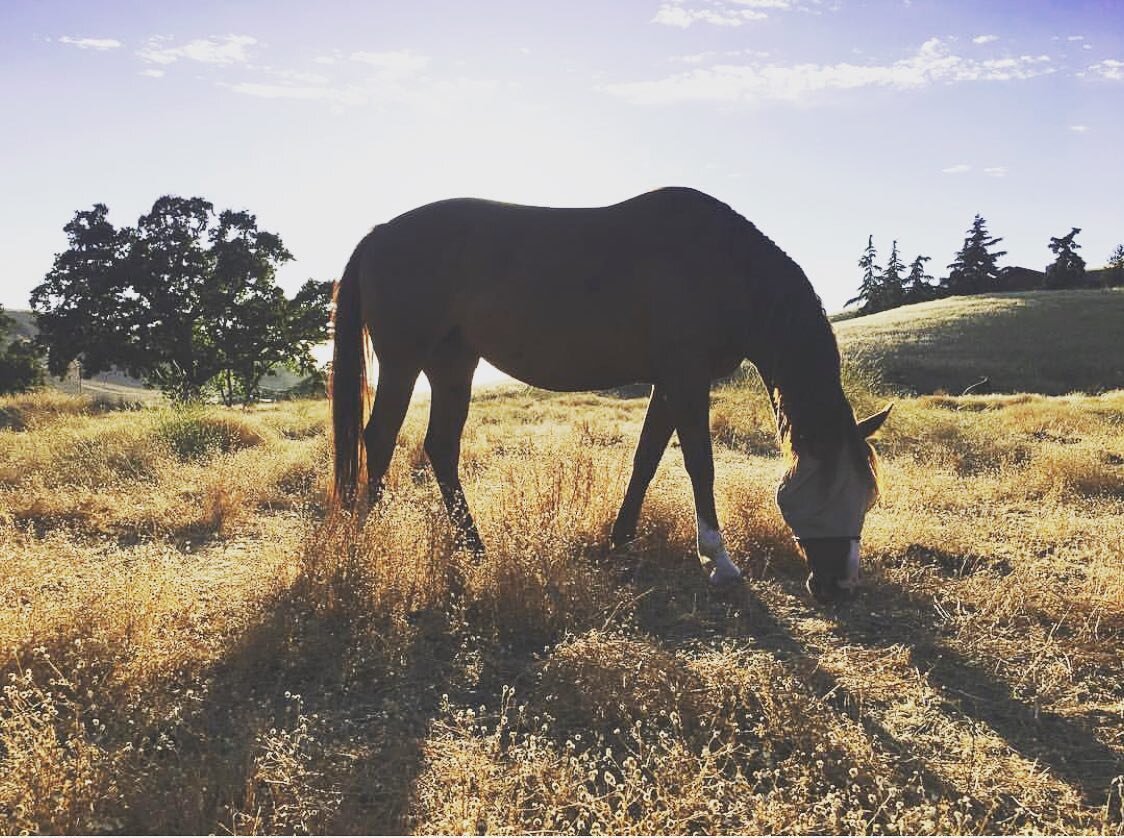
[190, 642]
[1051, 342]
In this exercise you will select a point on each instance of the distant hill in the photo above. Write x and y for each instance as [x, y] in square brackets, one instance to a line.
[1050, 342]
[24, 324]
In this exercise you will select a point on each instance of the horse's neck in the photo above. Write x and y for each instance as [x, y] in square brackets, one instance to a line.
[799, 363]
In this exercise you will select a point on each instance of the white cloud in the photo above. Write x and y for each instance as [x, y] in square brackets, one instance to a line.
[959, 168]
[395, 64]
[995, 171]
[676, 14]
[933, 63]
[229, 49]
[1076, 38]
[1080, 129]
[152, 73]
[339, 96]
[712, 55]
[985, 39]
[297, 76]
[1110, 69]
[100, 44]
[397, 82]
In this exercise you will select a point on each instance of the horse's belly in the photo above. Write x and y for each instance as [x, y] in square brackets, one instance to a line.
[556, 359]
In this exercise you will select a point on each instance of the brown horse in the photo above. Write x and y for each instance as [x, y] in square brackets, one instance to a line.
[671, 288]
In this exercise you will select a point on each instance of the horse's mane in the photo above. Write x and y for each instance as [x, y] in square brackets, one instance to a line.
[800, 363]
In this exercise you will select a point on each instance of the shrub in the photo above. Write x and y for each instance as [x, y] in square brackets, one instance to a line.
[193, 434]
[20, 368]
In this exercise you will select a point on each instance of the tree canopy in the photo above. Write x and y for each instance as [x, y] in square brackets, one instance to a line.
[186, 300]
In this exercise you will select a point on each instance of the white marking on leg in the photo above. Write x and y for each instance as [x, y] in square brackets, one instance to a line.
[851, 580]
[713, 555]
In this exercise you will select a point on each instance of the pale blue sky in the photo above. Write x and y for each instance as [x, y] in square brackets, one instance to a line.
[820, 120]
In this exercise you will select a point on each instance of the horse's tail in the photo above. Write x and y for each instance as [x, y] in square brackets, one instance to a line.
[348, 384]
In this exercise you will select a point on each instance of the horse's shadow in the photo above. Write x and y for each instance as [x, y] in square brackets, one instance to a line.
[372, 705]
[368, 708]
[1066, 746]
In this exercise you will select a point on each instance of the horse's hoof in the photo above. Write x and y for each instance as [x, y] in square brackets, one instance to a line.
[831, 593]
[620, 543]
[721, 576]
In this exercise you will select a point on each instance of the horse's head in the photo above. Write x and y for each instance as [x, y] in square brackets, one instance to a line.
[824, 499]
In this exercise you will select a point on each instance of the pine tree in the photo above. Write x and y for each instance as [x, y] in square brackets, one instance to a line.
[917, 285]
[870, 288]
[893, 287]
[974, 271]
[1114, 276]
[1068, 269]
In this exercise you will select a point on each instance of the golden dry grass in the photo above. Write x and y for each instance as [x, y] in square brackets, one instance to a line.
[190, 643]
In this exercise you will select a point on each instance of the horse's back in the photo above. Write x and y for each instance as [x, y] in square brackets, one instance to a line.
[568, 298]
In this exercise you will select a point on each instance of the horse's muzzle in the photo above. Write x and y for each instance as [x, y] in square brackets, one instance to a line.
[834, 565]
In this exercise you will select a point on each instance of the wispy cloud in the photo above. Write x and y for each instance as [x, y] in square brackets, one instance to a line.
[394, 64]
[1079, 129]
[395, 78]
[676, 14]
[101, 44]
[933, 63]
[712, 55]
[324, 93]
[985, 39]
[152, 73]
[1110, 69]
[720, 12]
[958, 169]
[391, 76]
[229, 49]
[297, 76]
[995, 171]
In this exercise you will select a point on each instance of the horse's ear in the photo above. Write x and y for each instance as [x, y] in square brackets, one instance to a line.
[870, 425]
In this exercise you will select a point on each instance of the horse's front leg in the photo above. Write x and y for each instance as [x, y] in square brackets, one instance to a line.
[690, 410]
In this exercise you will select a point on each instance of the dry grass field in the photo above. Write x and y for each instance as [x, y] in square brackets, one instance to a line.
[189, 642]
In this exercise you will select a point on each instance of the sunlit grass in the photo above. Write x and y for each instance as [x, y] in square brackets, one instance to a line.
[1036, 341]
[193, 643]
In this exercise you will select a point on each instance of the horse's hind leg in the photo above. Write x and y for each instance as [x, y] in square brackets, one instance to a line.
[649, 449]
[450, 372]
[392, 398]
